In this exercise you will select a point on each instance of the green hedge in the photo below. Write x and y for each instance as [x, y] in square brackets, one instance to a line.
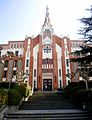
[79, 94]
[14, 95]
[3, 97]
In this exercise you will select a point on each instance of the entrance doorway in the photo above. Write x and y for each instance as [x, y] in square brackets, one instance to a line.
[47, 84]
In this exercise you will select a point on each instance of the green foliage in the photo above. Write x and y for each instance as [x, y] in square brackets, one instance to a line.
[84, 56]
[14, 97]
[80, 96]
[86, 30]
[23, 89]
[70, 89]
[78, 93]
[3, 96]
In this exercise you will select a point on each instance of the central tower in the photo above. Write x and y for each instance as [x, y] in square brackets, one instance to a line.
[46, 53]
[47, 30]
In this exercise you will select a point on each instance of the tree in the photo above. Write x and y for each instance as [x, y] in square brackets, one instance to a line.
[20, 77]
[84, 55]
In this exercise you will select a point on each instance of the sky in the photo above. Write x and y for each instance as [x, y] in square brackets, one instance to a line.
[19, 18]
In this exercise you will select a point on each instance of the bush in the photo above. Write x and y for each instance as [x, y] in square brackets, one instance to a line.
[23, 90]
[3, 96]
[70, 92]
[80, 96]
[70, 89]
[14, 97]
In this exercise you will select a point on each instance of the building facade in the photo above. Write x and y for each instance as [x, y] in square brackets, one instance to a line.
[44, 59]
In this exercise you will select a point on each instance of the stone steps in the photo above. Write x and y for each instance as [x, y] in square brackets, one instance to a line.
[44, 106]
[49, 115]
[46, 101]
[48, 106]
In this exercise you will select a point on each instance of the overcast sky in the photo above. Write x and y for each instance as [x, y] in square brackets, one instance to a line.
[19, 18]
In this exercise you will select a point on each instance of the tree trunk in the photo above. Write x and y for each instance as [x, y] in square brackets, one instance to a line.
[86, 82]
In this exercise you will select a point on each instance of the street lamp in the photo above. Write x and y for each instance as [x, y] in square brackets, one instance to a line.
[9, 92]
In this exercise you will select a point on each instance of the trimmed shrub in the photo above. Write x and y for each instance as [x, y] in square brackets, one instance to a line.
[3, 96]
[23, 90]
[80, 96]
[14, 97]
[69, 92]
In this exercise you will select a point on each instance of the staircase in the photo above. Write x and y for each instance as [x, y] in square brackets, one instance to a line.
[49, 115]
[46, 101]
[48, 106]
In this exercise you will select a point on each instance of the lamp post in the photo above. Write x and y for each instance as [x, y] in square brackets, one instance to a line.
[9, 92]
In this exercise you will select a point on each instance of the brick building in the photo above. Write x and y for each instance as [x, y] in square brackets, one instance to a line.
[44, 59]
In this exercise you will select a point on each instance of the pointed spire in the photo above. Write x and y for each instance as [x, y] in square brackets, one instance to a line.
[47, 19]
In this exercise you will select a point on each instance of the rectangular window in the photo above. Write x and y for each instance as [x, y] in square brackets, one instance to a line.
[26, 72]
[60, 72]
[11, 45]
[15, 63]
[14, 73]
[17, 45]
[67, 62]
[67, 71]
[20, 45]
[34, 72]
[16, 53]
[28, 52]
[6, 63]
[14, 45]
[27, 63]
[0, 53]
[5, 74]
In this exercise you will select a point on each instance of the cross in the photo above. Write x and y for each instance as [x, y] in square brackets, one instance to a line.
[47, 13]
[47, 8]
[47, 49]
